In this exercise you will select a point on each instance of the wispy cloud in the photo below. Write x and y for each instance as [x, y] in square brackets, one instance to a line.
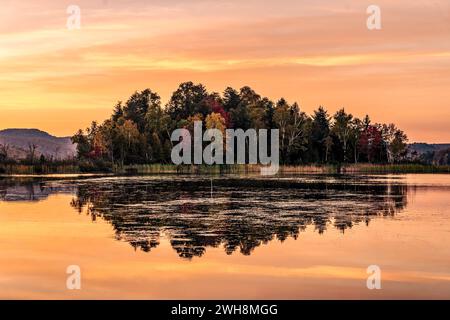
[316, 52]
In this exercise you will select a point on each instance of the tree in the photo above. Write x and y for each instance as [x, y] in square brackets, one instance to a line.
[398, 147]
[342, 129]
[138, 105]
[108, 130]
[82, 143]
[215, 121]
[190, 122]
[231, 99]
[370, 143]
[186, 100]
[213, 104]
[395, 142]
[99, 146]
[293, 128]
[240, 117]
[248, 97]
[320, 130]
[117, 112]
[31, 152]
[127, 135]
[157, 148]
[269, 110]
[356, 128]
[167, 126]
[4, 152]
[328, 145]
[366, 121]
[254, 108]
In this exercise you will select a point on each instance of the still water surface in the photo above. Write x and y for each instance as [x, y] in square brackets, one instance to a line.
[226, 237]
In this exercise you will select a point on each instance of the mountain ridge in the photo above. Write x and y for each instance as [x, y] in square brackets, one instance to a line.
[31, 131]
[19, 140]
[423, 147]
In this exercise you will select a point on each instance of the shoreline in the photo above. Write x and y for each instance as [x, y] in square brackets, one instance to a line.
[74, 171]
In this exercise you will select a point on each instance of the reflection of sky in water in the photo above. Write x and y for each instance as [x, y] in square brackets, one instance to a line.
[241, 215]
[302, 237]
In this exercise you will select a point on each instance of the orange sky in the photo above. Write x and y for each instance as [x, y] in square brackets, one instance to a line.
[314, 52]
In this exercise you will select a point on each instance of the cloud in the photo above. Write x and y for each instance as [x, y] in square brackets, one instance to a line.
[310, 51]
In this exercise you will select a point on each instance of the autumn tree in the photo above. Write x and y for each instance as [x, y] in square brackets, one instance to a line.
[370, 143]
[215, 121]
[139, 130]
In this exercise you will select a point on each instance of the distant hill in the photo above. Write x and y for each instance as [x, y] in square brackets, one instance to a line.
[19, 140]
[422, 148]
[437, 154]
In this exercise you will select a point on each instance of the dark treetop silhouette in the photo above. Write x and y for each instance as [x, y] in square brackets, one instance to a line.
[139, 130]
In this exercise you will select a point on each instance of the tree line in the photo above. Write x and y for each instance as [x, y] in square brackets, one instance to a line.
[139, 130]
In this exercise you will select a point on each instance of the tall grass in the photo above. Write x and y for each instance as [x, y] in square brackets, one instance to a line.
[8, 169]
[186, 169]
[395, 168]
[300, 169]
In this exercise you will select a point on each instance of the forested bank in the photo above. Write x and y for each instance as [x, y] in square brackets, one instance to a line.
[139, 130]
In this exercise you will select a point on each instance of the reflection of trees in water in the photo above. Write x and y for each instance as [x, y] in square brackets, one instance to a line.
[26, 189]
[243, 213]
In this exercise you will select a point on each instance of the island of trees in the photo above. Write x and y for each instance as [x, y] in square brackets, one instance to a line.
[139, 130]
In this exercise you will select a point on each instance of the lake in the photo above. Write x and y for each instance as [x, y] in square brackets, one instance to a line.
[225, 237]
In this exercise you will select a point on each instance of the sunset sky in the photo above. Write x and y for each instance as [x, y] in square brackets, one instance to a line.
[314, 52]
